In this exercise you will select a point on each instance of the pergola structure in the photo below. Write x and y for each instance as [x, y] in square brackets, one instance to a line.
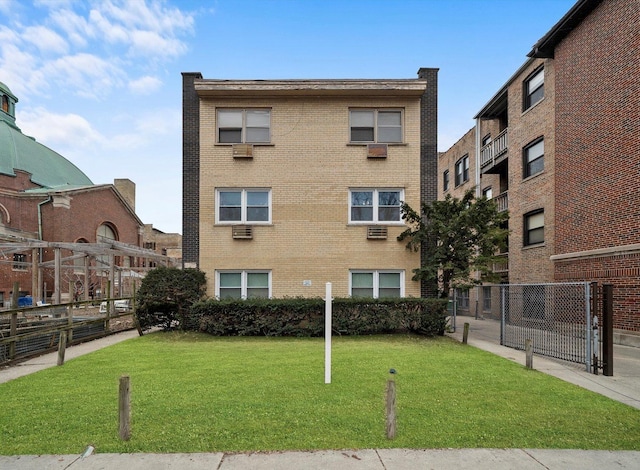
[99, 259]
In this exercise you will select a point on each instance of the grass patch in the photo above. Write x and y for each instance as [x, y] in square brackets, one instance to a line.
[197, 393]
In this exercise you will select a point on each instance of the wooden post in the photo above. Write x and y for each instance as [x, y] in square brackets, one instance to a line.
[62, 347]
[391, 406]
[465, 333]
[13, 326]
[528, 347]
[124, 408]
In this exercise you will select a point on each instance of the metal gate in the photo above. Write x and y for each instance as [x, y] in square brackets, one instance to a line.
[559, 318]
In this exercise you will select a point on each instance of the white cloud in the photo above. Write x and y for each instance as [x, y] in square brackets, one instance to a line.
[145, 85]
[58, 130]
[45, 39]
[6, 6]
[88, 75]
[76, 27]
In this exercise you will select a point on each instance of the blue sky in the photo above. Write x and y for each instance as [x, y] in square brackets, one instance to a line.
[100, 81]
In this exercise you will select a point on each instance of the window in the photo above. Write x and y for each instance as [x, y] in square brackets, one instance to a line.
[462, 297]
[19, 262]
[243, 284]
[462, 170]
[534, 228]
[244, 126]
[533, 88]
[486, 299]
[377, 284]
[375, 205]
[373, 125]
[5, 103]
[486, 140]
[243, 206]
[534, 158]
[445, 180]
[487, 192]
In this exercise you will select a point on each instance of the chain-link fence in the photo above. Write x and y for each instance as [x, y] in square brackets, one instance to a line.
[557, 318]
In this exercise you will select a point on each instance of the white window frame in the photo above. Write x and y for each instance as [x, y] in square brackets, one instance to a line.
[376, 206]
[244, 275]
[243, 129]
[243, 210]
[376, 280]
[376, 125]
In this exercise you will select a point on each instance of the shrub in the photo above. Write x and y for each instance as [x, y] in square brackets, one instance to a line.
[166, 296]
[305, 317]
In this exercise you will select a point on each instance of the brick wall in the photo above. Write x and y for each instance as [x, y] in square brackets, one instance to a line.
[190, 169]
[598, 150]
[310, 168]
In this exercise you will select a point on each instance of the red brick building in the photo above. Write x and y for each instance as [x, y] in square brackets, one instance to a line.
[559, 145]
[45, 198]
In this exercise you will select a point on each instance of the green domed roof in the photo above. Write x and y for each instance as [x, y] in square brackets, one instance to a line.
[20, 152]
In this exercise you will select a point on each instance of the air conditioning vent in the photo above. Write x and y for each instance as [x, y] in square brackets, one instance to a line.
[377, 151]
[244, 232]
[378, 232]
[242, 151]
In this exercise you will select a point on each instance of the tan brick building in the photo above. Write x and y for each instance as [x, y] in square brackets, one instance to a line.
[559, 145]
[300, 182]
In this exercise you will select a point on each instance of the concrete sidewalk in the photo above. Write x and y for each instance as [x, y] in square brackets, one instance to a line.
[624, 386]
[365, 459]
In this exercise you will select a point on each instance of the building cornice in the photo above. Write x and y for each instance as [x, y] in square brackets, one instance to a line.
[599, 253]
[264, 88]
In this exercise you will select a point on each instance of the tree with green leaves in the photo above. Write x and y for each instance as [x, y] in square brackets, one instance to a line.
[458, 238]
[166, 296]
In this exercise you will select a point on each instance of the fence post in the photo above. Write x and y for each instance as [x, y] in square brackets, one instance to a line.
[62, 347]
[528, 347]
[391, 406]
[465, 333]
[607, 329]
[124, 408]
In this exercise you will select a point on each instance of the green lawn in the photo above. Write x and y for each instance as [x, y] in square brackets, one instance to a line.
[196, 393]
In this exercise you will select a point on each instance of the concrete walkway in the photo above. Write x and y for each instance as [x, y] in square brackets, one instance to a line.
[624, 386]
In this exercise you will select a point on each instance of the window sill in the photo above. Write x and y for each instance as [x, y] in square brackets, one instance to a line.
[532, 107]
[531, 247]
[364, 144]
[256, 144]
[365, 223]
[230, 224]
[529, 178]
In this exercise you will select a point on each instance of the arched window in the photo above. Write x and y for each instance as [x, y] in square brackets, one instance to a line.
[104, 233]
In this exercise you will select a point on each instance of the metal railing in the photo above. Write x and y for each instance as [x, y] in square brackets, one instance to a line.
[556, 317]
[502, 201]
[494, 149]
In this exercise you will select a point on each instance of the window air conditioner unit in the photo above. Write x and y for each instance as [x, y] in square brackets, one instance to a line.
[377, 151]
[242, 151]
[377, 232]
[244, 232]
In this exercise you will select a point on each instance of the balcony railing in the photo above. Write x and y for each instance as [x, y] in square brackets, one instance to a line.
[502, 200]
[494, 149]
[502, 266]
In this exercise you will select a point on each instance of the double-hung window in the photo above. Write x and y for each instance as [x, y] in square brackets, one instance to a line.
[376, 284]
[462, 170]
[19, 262]
[244, 126]
[243, 206]
[445, 180]
[533, 88]
[375, 125]
[533, 158]
[243, 284]
[375, 205]
[534, 227]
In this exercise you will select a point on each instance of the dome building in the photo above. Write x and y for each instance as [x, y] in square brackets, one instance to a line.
[46, 198]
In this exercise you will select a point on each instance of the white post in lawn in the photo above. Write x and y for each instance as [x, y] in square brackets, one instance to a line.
[327, 334]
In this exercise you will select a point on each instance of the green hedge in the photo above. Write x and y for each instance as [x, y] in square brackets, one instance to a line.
[305, 317]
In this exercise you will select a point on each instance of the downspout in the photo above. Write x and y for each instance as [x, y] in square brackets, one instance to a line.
[40, 204]
[478, 195]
